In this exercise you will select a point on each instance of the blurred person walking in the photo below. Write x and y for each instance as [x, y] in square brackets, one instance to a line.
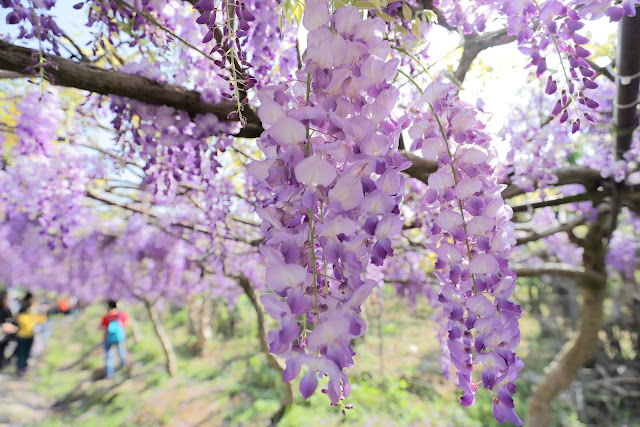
[114, 324]
[27, 319]
[8, 327]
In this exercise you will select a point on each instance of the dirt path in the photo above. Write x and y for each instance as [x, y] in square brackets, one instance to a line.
[20, 404]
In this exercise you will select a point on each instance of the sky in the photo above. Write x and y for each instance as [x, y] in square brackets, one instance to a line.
[499, 88]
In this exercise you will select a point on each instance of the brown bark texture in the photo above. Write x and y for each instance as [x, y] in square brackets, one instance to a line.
[204, 332]
[165, 342]
[287, 397]
[192, 316]
[580, 350]
[82, 75]
[87, 76]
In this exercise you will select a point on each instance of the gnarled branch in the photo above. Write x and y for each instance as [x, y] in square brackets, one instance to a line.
[583, 276]
[537, 235]
[474, 44]
[81, 75]
[588, 177]
[287, 397]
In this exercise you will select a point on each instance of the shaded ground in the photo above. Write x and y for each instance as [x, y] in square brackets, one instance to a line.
[233, 385]
[19, 403]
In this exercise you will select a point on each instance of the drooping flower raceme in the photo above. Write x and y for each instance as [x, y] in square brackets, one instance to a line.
[40, 117]
[331, 187]
[471, 235]
[49, 189]
[546, 29]
[174, 145]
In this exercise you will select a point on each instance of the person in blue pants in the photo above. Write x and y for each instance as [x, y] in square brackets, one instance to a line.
[114, 324]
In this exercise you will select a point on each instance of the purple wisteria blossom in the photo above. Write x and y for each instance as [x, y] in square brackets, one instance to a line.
[331, 183]
[471, 234]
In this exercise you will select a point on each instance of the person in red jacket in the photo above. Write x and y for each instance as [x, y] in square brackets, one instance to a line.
[114, 324]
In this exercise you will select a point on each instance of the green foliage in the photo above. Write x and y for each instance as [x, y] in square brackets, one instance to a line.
[234, 384]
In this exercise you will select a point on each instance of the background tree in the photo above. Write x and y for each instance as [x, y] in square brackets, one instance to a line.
[189, 128]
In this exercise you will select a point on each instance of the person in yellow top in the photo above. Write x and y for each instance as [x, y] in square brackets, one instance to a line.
[27, 319]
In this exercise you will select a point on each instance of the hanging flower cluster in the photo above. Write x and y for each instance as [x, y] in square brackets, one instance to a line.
[534, 151]
[40, 118]
[43, 179]
[49, 190]
[557, 34]
[596, 9]
[147, 261]
[546, 29]
[331, 187]
[268, 45]
[33, 21]
[174, 146]
[129, 260]
[623, 249]
[228, 24]
[110, 20]
[470, 233]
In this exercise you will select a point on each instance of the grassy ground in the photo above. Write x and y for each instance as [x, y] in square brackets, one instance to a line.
[234, 386]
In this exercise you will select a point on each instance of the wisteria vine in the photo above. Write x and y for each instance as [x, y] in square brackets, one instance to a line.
[328, 181]
[471, 234]
[331, 187]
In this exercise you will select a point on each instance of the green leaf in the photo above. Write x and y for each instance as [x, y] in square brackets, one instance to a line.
[406, 12]
[385, 16]
[415, 28]
[431, 16]
[298, 11]
[337, 4]
[364, 5]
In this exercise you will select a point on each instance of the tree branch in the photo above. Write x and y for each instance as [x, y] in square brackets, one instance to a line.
[65, 72]
[11, 75]
[588, 177]
[474, 44]
[578, 273]
[137, 209]
[595, 197]
[428, 5]
[551, 231]
[420, 168]
[277, 364]
[141, 210]
[602, 70]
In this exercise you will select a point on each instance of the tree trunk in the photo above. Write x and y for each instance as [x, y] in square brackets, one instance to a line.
[135, 329]
[562, 371]
[204, 331]
[192, 315]
[625, 117]
[167, 347]
[582, 348]
[287, 397]
[575, 354]
[227, 326]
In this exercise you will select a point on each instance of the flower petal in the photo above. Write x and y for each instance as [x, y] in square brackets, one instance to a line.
[281, 277]
[288, 131]
[314, 170]
[484, 264]
[348, 191]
